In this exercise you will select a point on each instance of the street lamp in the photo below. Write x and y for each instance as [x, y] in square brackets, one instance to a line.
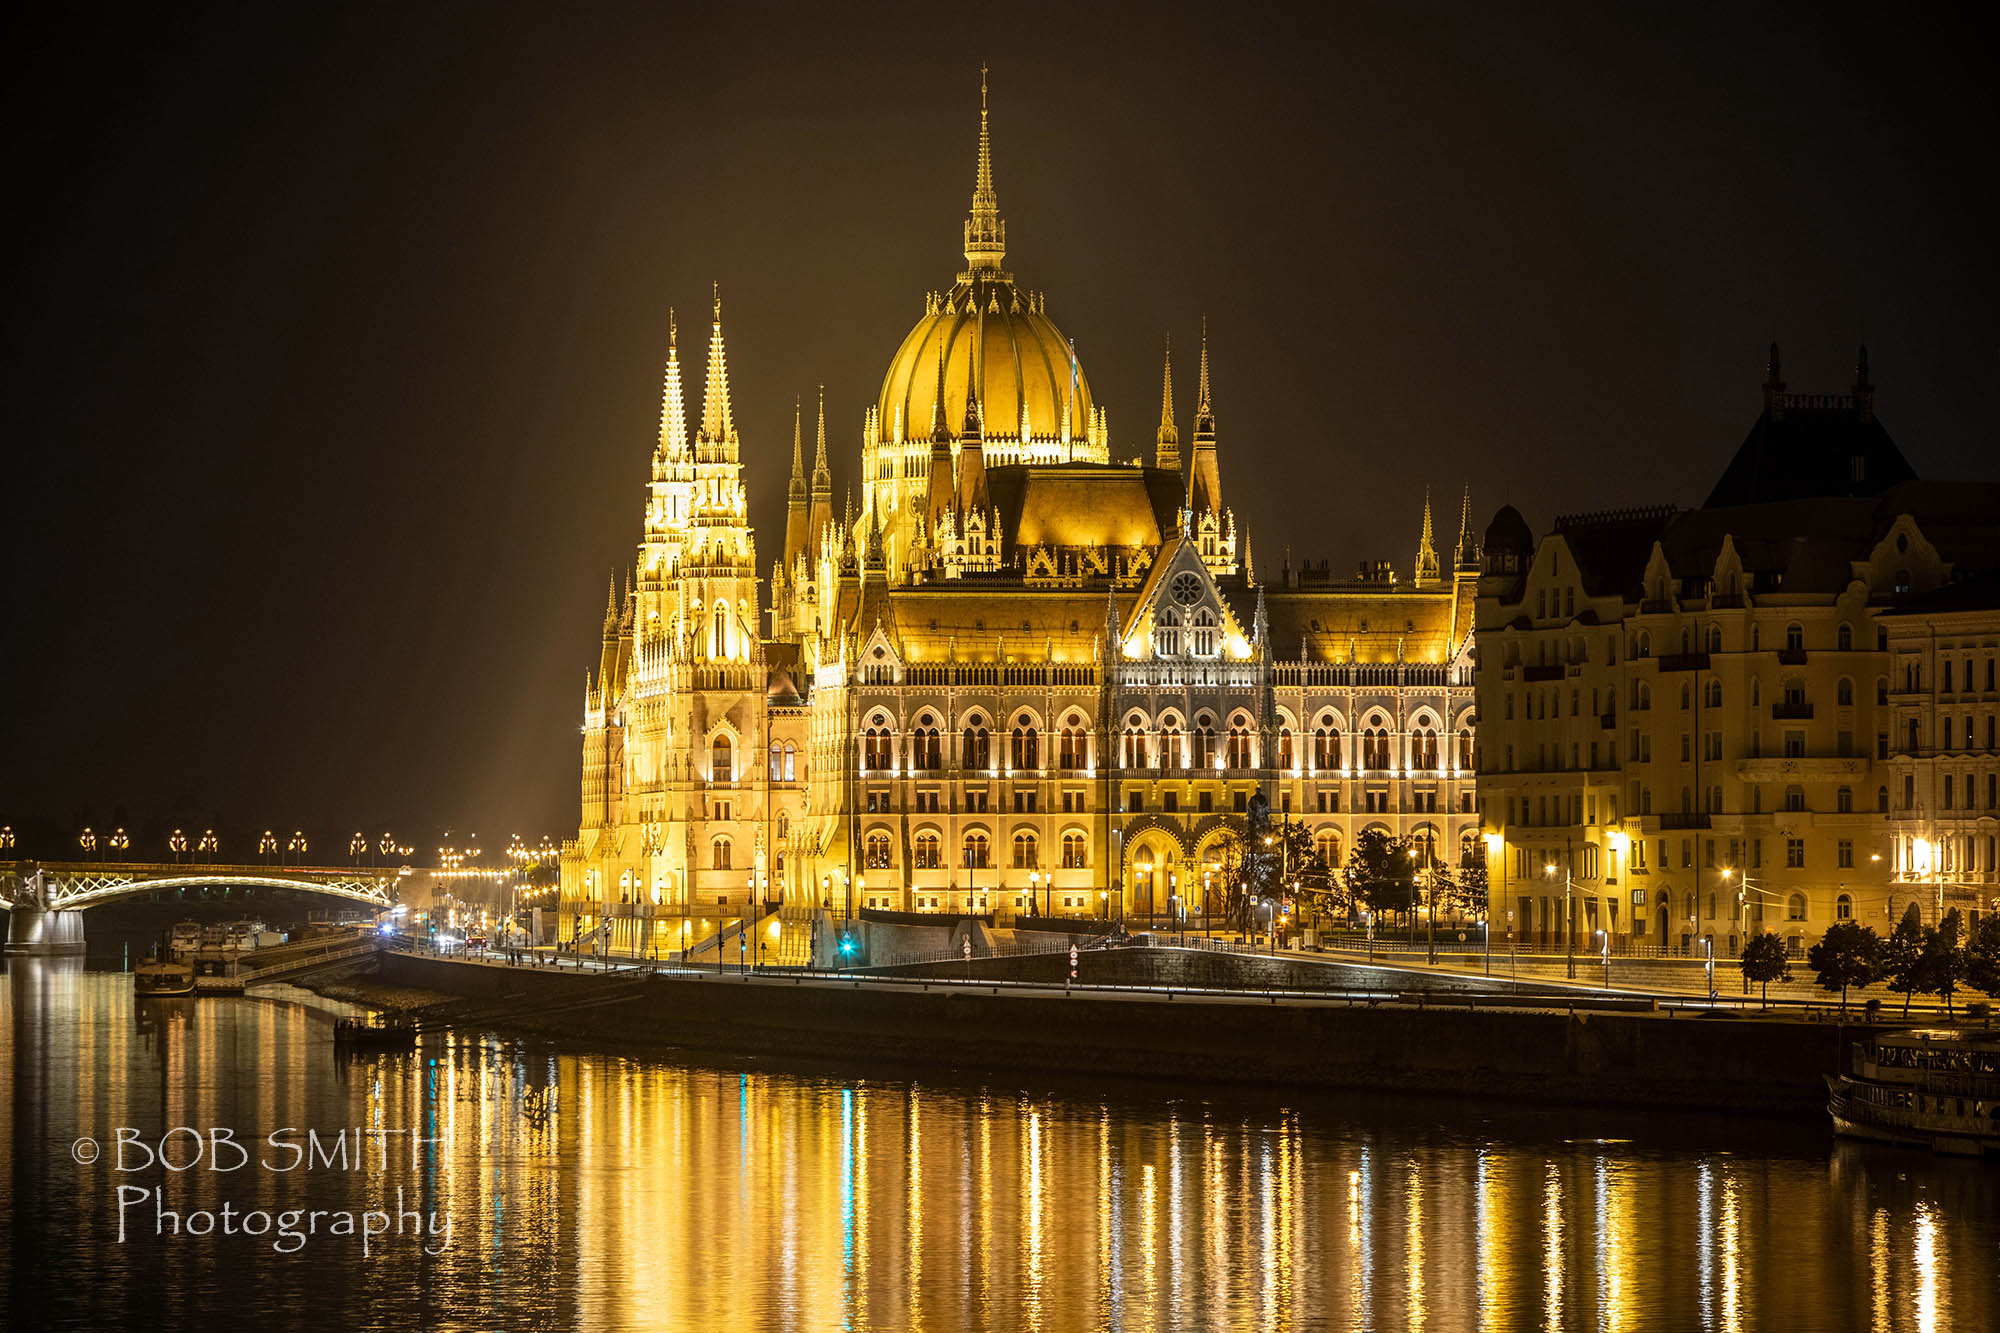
[1569, 924]
[296, 845]
[177, 843]
[6, 838]
[208, 845]
[118, 842]
[87, 840]
[1034, 886]
[356, 845]
[267, 846]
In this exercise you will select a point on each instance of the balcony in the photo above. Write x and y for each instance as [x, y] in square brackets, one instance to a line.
[1609, 722]
[1683, 821]
[1553, 671]
[1683, 661]
[1792, 710]
[1791, 657]
[1780, 768]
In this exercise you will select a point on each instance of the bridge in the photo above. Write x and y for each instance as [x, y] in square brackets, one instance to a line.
[44, 899]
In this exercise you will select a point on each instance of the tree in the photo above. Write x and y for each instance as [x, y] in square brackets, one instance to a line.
[1940, 962]
[1469, 884]
[1847, 955]
[1764, 961]
[1982, 956]
[1380, 873]
[1900, 955]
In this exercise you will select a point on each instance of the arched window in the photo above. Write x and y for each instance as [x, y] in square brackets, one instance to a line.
[791, 765]
[1843, 693]
[1285, 749]
[1327, 847]
[721, 630]
[721, 764]
[1326, 748]
[976, 850]
[1715, 638]
[876, 746]
[1845, 639]
[1881, 800]
[1203, 737]
[1239, 747]
[1711, 695]
[1465, 749]
[926, 747]
[719, 854]
[1795, 907]
[1795, 638]
[1202, 636]
[927, 852]
[1025, 751]
[1135, 746]
[1843, 906]
[1173, 754]
[1073, 747]
[1167, 633]
[1025, 852]
[876, 851]
[777, 762]
[1844, 800]
[1427, 748]
[978, 749]
[784, 825]
[1074, 854]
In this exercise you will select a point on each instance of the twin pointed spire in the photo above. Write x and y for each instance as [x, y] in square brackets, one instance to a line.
[1167, 444]
[985, 232]
[673, 412]
[717, 425]
[798, 486]
[1427, 558]
[822, 474]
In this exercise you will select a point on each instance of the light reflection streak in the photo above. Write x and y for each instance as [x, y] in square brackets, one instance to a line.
[1704, 1213]
[1413, 1243]
[1552, 1247]
[1732, 1302]
[1930, 1268]
[1878, 1267]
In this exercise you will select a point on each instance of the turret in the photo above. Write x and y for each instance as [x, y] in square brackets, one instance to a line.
[972, 441]
[1466, 556]
[1427, 556]
[938, 500]
[1167, 444]
[1204, 478]
[797, 502]
[821, 521]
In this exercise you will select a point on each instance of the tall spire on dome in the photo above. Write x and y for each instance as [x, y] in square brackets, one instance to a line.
[1427, 556]
[1167, 444]
[797, 529]
[985, 232]
[716, 423]
[673, 409]
[940, 425]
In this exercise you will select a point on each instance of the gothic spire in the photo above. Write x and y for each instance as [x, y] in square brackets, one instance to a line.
[1167, 444]
[1204, 476]
[985, 233]
[1427, 559]
[940, 427]
[797, 490]
[1204, 413]
[1466, 554]
[717, 426]
[822, 475]
[673, 409]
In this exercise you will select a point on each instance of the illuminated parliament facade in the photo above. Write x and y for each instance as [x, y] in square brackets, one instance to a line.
[1013, 672]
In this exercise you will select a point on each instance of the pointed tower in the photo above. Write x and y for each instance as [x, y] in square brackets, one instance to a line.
[1204, 477]
[718, 428]
[821, 521]
[985, 231]
[672, 485]
[796, 495]
[942, 491]
[972, 444]
[1167, 444]
[1427, 556]
[721, 591]
[1466, 555]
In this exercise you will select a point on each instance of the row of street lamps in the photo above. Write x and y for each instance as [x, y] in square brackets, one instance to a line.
[208, 846]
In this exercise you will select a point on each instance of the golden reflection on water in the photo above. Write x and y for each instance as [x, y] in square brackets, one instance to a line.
[652, 1192]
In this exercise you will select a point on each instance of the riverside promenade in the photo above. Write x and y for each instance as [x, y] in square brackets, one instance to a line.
[1546, 1045]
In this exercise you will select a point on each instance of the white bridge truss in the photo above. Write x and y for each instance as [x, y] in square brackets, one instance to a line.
[74, 887]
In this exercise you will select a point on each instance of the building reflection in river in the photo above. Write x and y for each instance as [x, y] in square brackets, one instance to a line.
[651, 1191]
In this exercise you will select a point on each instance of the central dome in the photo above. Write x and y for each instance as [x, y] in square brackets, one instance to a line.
[1025, 370]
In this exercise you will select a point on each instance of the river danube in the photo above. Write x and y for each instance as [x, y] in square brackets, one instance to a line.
[489, 1181]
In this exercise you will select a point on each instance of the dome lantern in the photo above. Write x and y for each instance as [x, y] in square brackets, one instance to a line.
[985, 231]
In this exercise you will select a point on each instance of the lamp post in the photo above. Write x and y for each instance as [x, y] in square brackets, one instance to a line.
[1569, 931]
[177, 843]
[1034, 887]
[209, 844]
[118, 842]
[1496, 847]
[87, 840]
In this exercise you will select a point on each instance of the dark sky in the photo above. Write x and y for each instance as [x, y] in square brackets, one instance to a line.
[335, 334]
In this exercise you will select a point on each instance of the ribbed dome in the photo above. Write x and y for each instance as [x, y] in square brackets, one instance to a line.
[1024, 360]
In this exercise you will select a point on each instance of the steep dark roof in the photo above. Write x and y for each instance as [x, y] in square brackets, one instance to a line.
[1611, 549]
[1975, 594]
[1509, 532]
[1810, 447]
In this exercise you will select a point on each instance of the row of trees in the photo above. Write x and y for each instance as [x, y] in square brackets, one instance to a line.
[1381, 874]
[1915, 959]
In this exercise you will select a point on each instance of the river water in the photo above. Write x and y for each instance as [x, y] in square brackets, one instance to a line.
[609, 1189]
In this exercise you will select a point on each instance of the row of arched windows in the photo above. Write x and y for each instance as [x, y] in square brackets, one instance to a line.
[926, 851]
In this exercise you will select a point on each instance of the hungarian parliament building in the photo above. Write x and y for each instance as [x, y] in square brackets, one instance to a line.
[1013, 672]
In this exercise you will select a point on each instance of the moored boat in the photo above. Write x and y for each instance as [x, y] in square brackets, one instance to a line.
[1935, 1088]
[385, 1032]
[159, 978]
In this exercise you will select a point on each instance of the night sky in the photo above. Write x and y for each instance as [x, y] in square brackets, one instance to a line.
[335, 336]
